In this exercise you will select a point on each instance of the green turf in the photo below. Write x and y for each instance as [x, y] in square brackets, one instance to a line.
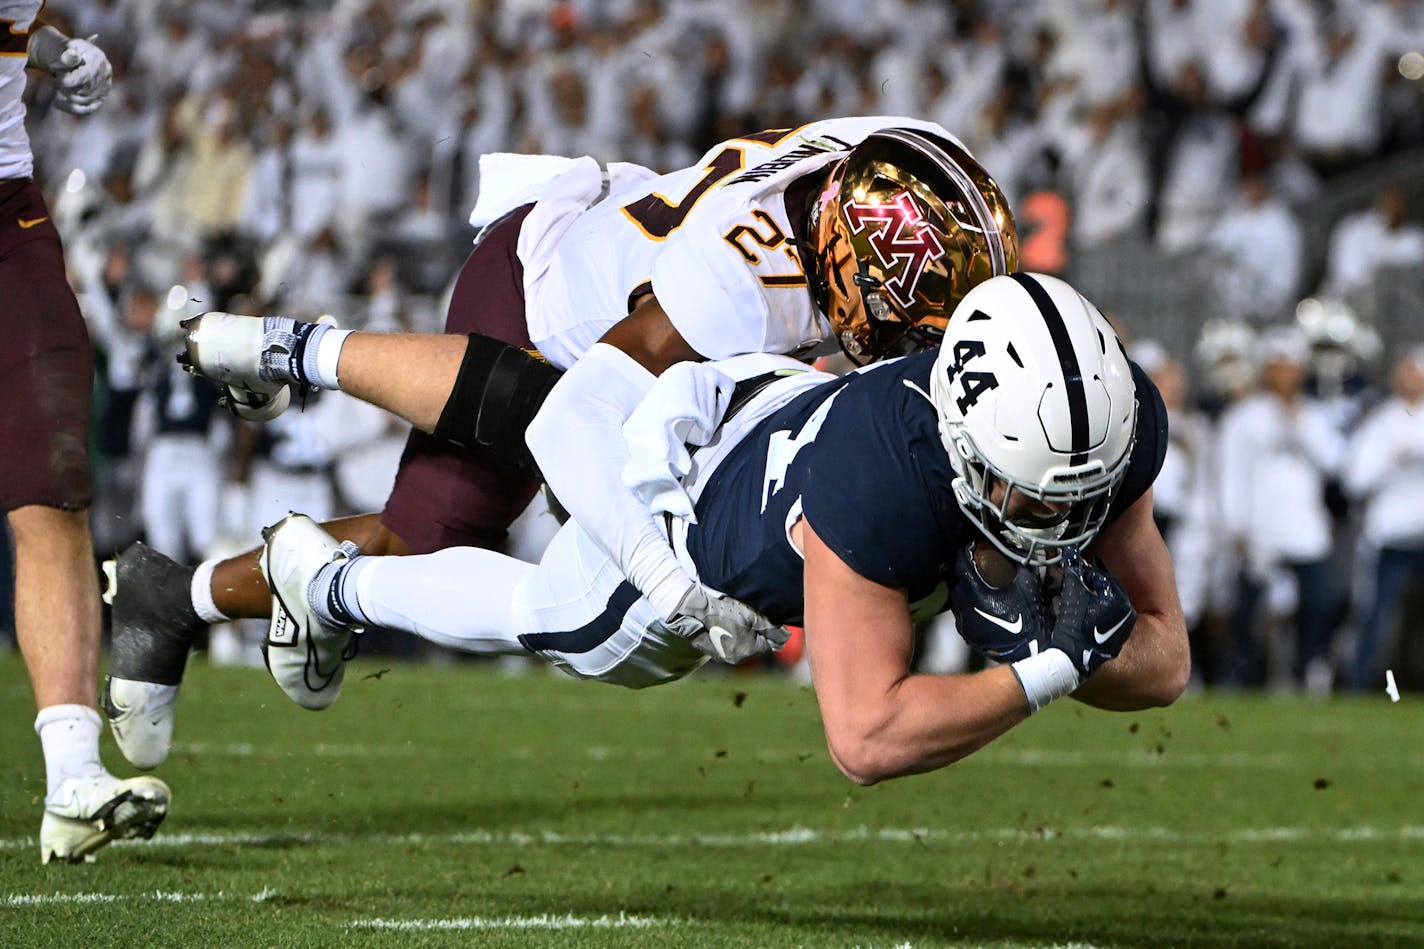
[549, 812]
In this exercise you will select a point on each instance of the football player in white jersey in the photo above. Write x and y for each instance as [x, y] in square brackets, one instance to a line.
[864, 231]
[45, 379]
[1027, 442]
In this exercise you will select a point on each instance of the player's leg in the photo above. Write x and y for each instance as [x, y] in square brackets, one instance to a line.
[45, 377]
[444, 495]
[415, 376]
[574, 608]
[1391, 572]
[56, 604]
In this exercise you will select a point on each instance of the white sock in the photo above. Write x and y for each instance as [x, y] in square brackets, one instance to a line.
[460, 598]
[201, 593]
[69, 735]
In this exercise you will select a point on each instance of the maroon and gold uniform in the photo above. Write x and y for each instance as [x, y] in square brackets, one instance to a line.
[46, 365]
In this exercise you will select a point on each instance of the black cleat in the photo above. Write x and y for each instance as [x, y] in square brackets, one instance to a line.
[154, 626]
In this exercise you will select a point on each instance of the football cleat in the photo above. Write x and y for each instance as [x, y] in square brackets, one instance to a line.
[304, 654]
[154, 626]
[85, 813]
[141, 717]
[253, 358]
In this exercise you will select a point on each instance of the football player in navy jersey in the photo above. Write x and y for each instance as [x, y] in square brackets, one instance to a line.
[1022, 452]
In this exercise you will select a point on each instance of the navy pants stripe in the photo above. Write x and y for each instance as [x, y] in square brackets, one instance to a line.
[592, 634]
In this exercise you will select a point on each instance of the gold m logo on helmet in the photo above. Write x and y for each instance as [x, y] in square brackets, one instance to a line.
[900, 238]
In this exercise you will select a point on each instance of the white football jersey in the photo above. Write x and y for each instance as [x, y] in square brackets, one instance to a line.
[713, 242]
[16, 18]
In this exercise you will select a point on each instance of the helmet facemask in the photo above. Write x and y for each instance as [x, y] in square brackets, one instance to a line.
[1087, 491]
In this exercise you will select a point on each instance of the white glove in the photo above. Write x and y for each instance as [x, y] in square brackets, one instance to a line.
[82, 77]
[724, 628]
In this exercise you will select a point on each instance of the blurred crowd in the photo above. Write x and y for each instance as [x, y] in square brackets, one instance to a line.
[322, 157]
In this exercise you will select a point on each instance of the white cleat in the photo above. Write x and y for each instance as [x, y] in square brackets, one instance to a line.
[85, 813]
[306, 656]
[141, 717]
[249, 356]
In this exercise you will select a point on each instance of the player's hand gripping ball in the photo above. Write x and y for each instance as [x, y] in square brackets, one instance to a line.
[1004, 623]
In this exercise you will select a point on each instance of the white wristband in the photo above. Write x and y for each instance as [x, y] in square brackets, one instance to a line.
[200, 591]
[1047, 676]
[328, 355]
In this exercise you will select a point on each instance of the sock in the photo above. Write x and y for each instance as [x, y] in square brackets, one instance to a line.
[201, 593]
[332, 593]
[69, 735]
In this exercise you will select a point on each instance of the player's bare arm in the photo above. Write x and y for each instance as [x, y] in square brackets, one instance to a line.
[880, 720]
[1154, 665]
[649, 337]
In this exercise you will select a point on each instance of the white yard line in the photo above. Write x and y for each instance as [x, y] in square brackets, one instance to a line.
[790, 837]
[244, 749]
[23, 900]
[545, 921]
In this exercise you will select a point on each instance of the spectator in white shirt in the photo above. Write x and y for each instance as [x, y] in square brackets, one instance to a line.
[1386, 473]
[316, 164]
[1277, 450]
[1258, 244]
[1110, 179]
[1372, 240]
[1338, 109]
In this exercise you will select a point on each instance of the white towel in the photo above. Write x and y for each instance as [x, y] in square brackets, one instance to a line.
[683, 408]
[508, 180]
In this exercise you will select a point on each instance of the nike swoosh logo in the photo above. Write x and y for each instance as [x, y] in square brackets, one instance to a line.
[1104, 637]
[720, 638]
[1015, 627]
[26, 225]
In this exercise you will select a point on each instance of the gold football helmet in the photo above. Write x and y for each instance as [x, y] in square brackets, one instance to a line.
[906, 224]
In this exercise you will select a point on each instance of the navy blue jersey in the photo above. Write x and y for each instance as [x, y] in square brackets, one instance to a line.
[861, 459]
[185, 403]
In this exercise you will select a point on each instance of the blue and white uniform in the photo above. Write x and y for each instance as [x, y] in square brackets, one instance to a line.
[859, 457]
[861, 460]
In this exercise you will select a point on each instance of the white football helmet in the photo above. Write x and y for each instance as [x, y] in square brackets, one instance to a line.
[1034, 394]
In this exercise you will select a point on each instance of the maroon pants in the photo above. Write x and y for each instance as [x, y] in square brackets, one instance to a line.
[444, 495]
[46, 365]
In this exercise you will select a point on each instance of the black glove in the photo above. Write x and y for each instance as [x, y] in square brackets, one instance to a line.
[1093, 616]
[1005, 623]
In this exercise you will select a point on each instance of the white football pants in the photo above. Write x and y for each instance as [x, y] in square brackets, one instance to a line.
[182, 475]
[574, 608]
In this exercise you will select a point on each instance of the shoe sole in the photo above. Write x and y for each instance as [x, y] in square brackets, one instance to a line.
[148, 813]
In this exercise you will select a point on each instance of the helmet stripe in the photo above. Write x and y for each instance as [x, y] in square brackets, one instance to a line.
[1067, 361]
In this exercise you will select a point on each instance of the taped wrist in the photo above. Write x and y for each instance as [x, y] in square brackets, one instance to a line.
[1047, 676]
[46, 47]
[497, 393]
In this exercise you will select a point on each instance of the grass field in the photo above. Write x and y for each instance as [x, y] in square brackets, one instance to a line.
[460, 806]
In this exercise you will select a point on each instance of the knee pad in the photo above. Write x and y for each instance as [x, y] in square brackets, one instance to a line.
[497, 393]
